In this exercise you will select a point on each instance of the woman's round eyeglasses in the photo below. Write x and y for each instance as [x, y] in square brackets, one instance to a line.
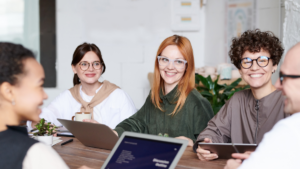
[261, 61]
[178, 63]
[85, 65]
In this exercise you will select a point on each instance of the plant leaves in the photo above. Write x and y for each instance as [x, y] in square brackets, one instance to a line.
[210, 82]
[203, 80]
[206, 93]
[215, 93]
[199, 88]
[233, 85]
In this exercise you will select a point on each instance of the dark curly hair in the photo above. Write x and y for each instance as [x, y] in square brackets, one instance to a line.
[11, 61]
[253, 41]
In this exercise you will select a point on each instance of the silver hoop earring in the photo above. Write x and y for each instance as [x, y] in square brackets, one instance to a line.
[13, 102]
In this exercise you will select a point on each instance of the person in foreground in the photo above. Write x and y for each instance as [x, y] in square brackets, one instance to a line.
[21, 94]
[107, 103]
[173, 108]
[279, 147]
[249, 114]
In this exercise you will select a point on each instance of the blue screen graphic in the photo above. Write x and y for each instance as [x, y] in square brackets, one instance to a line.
[143, 153]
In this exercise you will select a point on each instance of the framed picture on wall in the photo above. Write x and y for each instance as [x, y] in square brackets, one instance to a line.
[240, 16]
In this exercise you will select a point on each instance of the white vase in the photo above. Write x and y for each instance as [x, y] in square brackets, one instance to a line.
[45, 139]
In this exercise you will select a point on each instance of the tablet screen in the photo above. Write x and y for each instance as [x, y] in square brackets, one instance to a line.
[143, 153]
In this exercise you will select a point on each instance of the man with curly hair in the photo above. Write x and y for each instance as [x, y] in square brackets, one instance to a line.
[271, 153]
[249, 114]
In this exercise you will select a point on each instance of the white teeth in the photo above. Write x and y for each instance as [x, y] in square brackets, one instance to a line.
[169, 73]
[256, 75]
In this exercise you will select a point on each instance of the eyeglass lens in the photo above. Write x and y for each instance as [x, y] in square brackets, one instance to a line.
[163, 61]
[86, 65]
[280, 77]
[262, 61]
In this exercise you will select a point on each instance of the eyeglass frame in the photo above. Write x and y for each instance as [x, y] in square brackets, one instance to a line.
[171, 60]
[282, 76]
[256, 62]
[101, 63]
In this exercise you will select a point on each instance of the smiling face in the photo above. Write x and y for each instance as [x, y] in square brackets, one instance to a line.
[91, 75]
[170, 74]
[256, 76]
[28, 94]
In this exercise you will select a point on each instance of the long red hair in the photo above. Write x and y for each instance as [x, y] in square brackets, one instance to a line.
[187, 82]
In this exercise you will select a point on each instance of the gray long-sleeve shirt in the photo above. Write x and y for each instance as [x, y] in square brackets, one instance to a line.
[243, 119]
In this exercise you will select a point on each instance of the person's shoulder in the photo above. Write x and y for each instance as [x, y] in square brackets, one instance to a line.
[63, 97]
[64, 94]
[195, 97]
[41, 147]
[16, 136]
[240, 96]
[119, 94]
[34, 159]
[276, 95]
[291, 122]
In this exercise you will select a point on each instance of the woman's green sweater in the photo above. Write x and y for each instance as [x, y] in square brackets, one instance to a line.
[188, 122]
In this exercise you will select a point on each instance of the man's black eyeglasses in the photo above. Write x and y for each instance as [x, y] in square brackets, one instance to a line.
[282, 76]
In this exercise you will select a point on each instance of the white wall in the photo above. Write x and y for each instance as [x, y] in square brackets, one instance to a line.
[291, 26]
[128, 33]
[268, 19]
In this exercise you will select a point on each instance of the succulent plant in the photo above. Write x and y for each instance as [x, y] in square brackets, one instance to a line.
[45, 129]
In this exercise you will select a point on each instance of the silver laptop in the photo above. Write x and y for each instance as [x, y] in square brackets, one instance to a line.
[135, 150]
[91, 134]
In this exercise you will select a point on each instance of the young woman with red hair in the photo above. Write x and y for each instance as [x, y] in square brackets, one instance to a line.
[173, 108]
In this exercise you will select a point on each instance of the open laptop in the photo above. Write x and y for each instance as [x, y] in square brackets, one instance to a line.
[91, 134]
[135, 150]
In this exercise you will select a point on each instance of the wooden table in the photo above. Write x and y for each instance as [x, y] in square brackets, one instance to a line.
[75, 154]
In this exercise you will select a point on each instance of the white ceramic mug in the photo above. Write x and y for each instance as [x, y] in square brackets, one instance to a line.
[79, 116]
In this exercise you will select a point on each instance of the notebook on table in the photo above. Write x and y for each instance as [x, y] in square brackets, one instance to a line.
[135, 150]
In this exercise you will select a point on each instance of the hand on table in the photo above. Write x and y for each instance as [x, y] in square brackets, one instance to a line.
[205, 154]
[235, 163]
[89, 120]
[242, 156]
[191, 143]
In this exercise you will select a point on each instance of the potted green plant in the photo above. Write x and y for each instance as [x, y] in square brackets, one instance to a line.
[45, 131]
[215, 93]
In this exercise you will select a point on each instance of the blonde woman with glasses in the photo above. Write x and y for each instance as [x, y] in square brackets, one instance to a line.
[107, 103]
[174, 107]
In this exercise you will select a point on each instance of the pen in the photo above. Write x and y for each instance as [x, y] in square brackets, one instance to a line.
[66, 142]
[236, 150]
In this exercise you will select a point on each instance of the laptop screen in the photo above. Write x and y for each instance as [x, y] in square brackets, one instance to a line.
[143, 153]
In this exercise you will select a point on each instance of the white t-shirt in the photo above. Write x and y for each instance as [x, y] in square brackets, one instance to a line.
[111, 111]
[279, 148]
[40, 155]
